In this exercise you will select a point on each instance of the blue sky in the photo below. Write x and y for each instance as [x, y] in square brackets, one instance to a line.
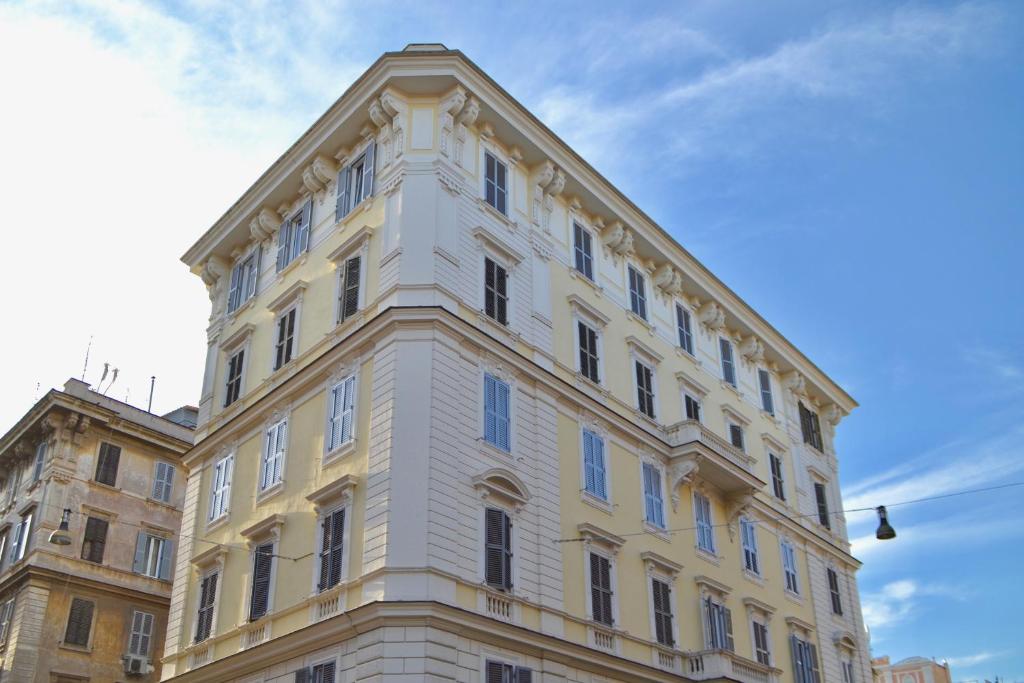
[853, 170]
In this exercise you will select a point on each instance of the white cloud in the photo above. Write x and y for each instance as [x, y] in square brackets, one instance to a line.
[898, 601]
[971, 660]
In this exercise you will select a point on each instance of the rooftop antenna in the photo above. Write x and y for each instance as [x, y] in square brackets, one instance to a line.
[152, 383]
[86, 366]
[112, 380]
[106, 371]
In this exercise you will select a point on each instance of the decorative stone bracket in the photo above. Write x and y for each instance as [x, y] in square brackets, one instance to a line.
[711, 315]
[618, 239]
[736, 507]
[386, 113]
[681, 472]
[668, 280]
[752, 349]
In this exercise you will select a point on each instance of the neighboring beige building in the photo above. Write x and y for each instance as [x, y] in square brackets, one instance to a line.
[910, 670]
[468, 414]
[94, 610]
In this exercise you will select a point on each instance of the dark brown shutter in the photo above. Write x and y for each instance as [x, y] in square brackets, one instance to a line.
[498, 548]
[350, 295]
[662, 612]
[106, 466]
[823, 516]
[332, 546]
[601, 589]
[262, 561]
[79, 623]
[324, 673]
[523, 675]
[495, 672]
[95, 539]
[207, 598]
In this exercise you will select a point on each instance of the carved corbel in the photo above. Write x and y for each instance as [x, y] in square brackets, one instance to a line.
[310, 181]
[466, 118]
[675, 288]
[832, 414]
[662, 276]
[711, 315]
[737, 506]
[752, 349]
[450, 107]
[324, 169]
[681, 473]
[794, 381]
[212, 275]
[625, 246]
[264, 225]
[394, 107]
[545, 175]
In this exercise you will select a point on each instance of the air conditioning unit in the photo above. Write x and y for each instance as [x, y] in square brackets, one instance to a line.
[137, 666]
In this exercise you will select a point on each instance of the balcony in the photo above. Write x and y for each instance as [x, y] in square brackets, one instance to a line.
[712, 665]
[718, 461]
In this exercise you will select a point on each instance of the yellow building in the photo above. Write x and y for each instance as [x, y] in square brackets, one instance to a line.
[470, 415]
[93, 609]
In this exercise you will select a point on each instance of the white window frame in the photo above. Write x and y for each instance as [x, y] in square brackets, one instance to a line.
[275, 340]
[228, 357]
[650, 577]
[217, 569]
[765, 622]
[790, 565]
[748, 544]
[660, 470]
[39, 462]
[273, 428]
[266, 539]
[481, 518]
[149, 636]
[722, 341]
[782, 474]
[225, 463]
[635, 358]
[646, 298]
[156, 470]
[588, 549]
[762, 390]
[710, 522]
[579, 318]
[679, 305]
[247, 292]
[6, 617]
[577, 220]
[159, 542]
[508, 266]
[482, 414]
[487, 148]
[22, 537]
[346, 549]
[332, 451]
[605, 441]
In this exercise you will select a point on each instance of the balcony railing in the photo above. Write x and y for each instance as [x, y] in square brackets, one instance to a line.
[714, 664]
[719, 461]
[691, 431]
[327, 604]
[255, 634]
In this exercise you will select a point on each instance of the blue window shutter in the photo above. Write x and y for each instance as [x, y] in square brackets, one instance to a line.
[589, 464]
[282, 246]
[368, 173]
[140, 553]
[490, 405]
[165, 560]
[341, 206]
[602, 489]
[233, 288]
[503, 415]
[304, 228]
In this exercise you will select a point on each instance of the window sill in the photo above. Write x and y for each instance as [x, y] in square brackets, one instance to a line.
[794, 597]
[339, 452]
[708, 556]
[503, 218]
[642, 321]
[231, 316]
[644, 417]
[595, 501]
[683, 353]
[488, 447]
[160, 503]
[657, 531]
[269, 492]
[295, 263]
[577, 275]
[753, 578]
[108, 487]
[499, 329]
[218, 522]
[75, 648]
[731, 387]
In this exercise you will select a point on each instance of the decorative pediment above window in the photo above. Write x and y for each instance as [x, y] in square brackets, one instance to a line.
[752, 349]
[268, 528]
[359, 241]
[240, 336]
[655, 563]
[337, 492]
[845, 639]
[289, 296]
[755, 605]
[773, 444]
[579, 306]
[503, 249]
[711, 315]
[798, 624]
[211, 558]
[595, 534]
[708, 585]
[642, 349]
[735, 416]
[691, 386]
[504, 484]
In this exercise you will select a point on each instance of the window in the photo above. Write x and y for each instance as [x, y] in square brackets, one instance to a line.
[705, 528]
[343, 405]
[220, 490]
[748, 535]
[718, 619]
[594, 471]
[141, 634]
[284, 347]
[262, 564]
[6, 613]
[601, 589]
[348, 290]
[762, 653]
[810, 426]
[588, 352]
[22, 537]
[332, 547]
[163, 481]
[847, 670]
[833, 589]
[778, 481]
[500, 672]
[233, 386]
[293, 237]
[95, 539]
[736, 436]
[320, 673]
[644, 388]
[355, 183]
[106, 464]
[685, 331]
[498, 549]
[153, 556]
[243, 280]
[764, 381]
[692, 407]
[207, 602]
[654, 505]
[272, 467]
[495, 182]
[37, 468]
[805, 661]
[496, 413]
[822, 502]
[79, 623]
[583, 250]
[728, 365]
[789, 567]
[662, 598]
[14, 483]
[637, 293]
[495, 291]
